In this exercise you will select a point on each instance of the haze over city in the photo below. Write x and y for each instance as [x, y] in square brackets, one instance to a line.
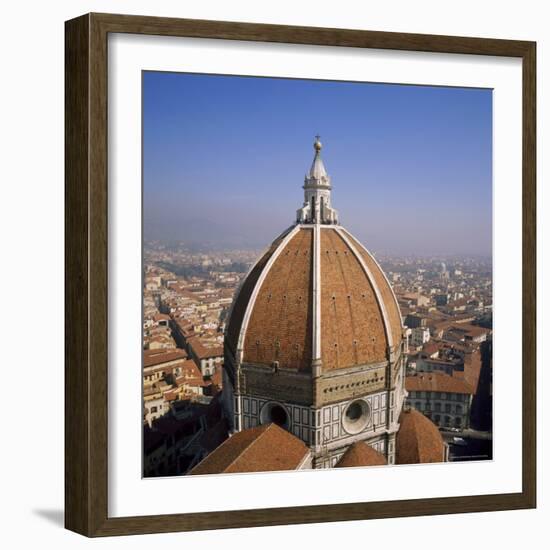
[224, 160]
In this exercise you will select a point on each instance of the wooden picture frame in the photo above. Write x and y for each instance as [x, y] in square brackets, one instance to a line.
[86, 282]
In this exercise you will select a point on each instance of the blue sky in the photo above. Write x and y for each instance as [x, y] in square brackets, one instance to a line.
[225, 158]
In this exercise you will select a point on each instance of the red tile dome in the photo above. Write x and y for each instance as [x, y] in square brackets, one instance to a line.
[361, 454]
[418, 440]
[315, 293]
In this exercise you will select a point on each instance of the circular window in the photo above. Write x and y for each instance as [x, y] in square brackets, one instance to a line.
[356, 416]
[276, 413]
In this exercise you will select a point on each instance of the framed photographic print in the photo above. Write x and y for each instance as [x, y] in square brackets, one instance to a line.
[294, 258]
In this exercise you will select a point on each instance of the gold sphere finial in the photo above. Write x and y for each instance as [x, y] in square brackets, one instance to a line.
[317, 145]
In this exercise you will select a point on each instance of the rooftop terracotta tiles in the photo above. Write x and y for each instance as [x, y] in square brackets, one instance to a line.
[430, 348]
[384, 288]
[352, 326]
[189, 369]
[203, 351]
[264, 448]
[418, 440]
[361, 454]
[155, 357]
[437, 382]
[471, 330]
[280, 326]
[245, 292]
[161, 317]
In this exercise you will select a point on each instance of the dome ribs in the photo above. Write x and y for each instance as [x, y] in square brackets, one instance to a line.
[383, 285]
[352, 327]
[242, 297]
[352, 291]
[359, 317]
[280, 326]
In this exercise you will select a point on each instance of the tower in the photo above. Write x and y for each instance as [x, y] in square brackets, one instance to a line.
[317, 207]
[314, 339]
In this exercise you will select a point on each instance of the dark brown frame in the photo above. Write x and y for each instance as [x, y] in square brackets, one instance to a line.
[86, 274]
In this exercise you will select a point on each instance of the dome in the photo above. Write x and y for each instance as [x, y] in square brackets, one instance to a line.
[361, 454]
[315, 296]
[418, 440]
[313, 341]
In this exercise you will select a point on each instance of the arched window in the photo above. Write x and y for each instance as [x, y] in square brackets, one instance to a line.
[278, 415]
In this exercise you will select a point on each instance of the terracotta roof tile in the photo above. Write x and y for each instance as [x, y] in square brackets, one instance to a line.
[418, 440]
[361, 454]
[437, 382]
[261, 449]
[155, 357]
[203, 351]
[352, 327]
[280, 326]
[243, 296]
[385, 290]
[430, 348]
[161, 317]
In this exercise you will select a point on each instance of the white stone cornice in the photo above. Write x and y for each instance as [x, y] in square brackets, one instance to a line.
[316, 340]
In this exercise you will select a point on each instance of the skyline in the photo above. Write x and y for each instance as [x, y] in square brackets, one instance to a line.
[422, 153]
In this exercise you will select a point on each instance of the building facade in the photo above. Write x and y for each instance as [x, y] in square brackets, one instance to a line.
[419, 336]
[445, 400]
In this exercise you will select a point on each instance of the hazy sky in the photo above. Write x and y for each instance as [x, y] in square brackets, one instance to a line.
[225, 159]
